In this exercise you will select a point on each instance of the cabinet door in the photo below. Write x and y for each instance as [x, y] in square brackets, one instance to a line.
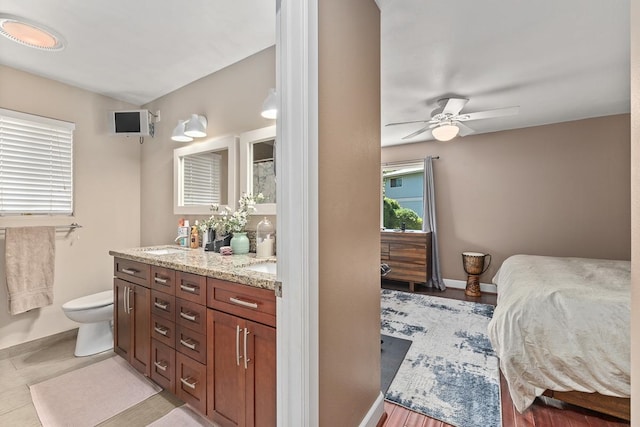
[260, 380]
[226, 385]
[141, 335]
[121, 319]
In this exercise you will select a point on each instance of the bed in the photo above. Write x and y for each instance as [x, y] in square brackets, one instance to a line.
[561, 326]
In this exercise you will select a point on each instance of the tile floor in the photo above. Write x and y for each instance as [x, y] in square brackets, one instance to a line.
[28, 364]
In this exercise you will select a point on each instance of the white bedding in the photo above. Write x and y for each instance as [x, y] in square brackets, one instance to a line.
[562, 324]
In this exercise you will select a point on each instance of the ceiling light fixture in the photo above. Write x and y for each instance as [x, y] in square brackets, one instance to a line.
[445, 131]
[270, 105]
[195, 127]
[29, 33]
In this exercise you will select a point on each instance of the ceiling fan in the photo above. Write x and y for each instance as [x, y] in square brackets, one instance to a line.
[446, 121]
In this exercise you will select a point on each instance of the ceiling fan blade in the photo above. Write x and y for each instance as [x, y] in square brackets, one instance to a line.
[413, 121]
[454, 106]
[499, 112]
[464, 129]
[416, 133]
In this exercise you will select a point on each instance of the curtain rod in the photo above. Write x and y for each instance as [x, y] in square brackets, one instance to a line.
[400, 162]
[71, 226]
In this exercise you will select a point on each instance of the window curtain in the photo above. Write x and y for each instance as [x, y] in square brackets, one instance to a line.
[429, 224]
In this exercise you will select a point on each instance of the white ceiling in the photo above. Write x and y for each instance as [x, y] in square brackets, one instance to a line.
[558, 60]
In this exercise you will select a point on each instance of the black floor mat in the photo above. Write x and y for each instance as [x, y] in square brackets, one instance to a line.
[392, 354]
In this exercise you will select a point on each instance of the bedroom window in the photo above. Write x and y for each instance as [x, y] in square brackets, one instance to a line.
[402, 195]
[36, 165]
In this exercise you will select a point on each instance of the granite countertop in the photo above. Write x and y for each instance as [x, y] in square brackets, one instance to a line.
[197, 261]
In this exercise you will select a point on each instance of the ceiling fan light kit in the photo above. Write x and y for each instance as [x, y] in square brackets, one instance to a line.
[446, 122]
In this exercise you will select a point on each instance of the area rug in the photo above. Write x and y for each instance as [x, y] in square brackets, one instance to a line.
[181, 416]
[392, 352]
[90, 395]
[450, 373]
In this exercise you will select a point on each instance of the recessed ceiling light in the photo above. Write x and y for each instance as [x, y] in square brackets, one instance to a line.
[29, 33]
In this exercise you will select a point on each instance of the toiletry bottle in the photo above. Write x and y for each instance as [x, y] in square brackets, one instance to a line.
[195, 238]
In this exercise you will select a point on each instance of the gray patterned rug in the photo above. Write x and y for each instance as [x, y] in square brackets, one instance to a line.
[450, 372]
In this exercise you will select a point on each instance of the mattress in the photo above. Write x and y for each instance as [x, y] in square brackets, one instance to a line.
[562, 324]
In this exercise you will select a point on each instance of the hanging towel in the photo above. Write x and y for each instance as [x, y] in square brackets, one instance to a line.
[30, 262]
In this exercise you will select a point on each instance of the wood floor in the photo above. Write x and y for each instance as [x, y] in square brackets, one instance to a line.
[544, 412]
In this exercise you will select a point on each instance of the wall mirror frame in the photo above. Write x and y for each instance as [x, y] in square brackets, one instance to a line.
[226, 145]
[249, 157]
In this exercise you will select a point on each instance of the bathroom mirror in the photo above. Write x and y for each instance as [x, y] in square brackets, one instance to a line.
[204, 173]
[258, 167]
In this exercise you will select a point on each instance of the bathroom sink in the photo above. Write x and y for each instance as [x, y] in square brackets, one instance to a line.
[263, 267]
[164, 251]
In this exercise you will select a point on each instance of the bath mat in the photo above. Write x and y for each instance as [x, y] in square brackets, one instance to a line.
[90, 395]
[181, 416]
[392, 352]
[450, 373]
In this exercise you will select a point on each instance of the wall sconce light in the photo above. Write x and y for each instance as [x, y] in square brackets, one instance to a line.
[270, 105]
[195, 127]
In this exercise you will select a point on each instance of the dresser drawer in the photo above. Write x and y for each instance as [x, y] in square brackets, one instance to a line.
[132, 271]
[163, 305]
[163, 280]
[191, 315]
[191, 382]
[191, 343]
[163, 365]
[191, 287]
[255, 304]
[163, 330]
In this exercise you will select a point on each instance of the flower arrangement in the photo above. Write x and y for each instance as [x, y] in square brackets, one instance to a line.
[227, 221]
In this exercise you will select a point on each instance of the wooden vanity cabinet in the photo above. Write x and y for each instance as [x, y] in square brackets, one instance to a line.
[132, 314]
[241, 367]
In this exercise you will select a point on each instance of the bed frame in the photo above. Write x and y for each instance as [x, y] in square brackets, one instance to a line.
[619, 407]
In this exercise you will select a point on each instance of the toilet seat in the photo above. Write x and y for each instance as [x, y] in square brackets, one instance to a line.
[99, 299]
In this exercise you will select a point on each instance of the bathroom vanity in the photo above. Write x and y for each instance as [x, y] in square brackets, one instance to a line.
[201, 326]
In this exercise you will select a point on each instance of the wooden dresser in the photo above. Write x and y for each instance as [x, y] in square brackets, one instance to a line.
[408, 253]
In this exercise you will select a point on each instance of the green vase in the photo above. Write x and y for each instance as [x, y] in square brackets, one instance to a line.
[240, 243]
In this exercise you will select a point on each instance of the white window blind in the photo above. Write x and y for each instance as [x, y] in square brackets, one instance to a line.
[201, 175]
[36, 165]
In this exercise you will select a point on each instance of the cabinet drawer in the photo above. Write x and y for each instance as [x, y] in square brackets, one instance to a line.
[163, 280]
[163, 365]
[408, 253]
[163, 305]
[191, 382]
[255, 304]
[191, 343]
[163, 330]
[384, 250]
[132, 271]
[191, 315]
[191, 287]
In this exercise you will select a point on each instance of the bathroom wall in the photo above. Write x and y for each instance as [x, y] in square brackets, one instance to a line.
[560, 190]
[231, 99]
[106, 200]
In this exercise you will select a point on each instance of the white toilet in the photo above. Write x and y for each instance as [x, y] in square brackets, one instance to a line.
[95, 314]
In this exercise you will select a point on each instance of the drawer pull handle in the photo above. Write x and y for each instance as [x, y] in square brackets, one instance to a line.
[187, 288]
[160, 280]
[191, 385]
[188, 344]
[130, 271]
[237, 345]
[189, 316]
[243, 303]
[161, 365]
[161, 331]
[246, 356]
[161, 306]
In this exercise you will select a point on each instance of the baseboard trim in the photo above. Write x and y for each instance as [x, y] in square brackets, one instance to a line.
[461, 284]
[37, 344]
[376, 412]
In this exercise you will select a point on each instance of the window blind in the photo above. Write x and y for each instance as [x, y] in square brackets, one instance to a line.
[201, 177]
[36, 165]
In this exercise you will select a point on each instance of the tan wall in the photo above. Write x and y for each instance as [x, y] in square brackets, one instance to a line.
[231, 99]
[349, 153]
[635, 212]
[560, 190]
[106, 192]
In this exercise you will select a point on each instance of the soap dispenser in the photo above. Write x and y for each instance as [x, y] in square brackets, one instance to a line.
[265, 239]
